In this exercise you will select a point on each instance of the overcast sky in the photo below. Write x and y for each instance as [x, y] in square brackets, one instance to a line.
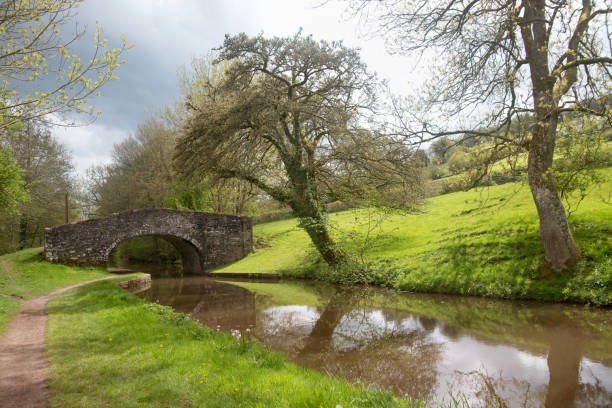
[168, 33]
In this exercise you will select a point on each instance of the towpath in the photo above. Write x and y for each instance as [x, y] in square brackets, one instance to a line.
[24, 367]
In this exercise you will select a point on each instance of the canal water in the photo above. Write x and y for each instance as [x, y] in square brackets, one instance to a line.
[522, 354]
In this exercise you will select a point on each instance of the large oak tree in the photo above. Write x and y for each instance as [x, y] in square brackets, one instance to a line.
[287, 115]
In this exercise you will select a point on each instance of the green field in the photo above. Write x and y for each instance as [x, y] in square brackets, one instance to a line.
[27, 274]
[482, 242]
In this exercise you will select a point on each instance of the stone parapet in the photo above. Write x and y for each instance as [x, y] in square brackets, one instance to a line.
[204, 240]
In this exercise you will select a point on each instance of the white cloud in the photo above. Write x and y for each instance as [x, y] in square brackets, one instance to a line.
[168, 33]
[89, 145]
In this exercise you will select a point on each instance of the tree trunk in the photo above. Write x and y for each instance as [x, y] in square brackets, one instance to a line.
[305, 205]
[315, 225]
[560, 249]
[23, 232]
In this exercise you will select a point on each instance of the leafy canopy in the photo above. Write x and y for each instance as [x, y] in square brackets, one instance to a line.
[12, 192]
[33, 49]
[288, 114]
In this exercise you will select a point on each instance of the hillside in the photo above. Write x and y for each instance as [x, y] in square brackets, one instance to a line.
[482, 242]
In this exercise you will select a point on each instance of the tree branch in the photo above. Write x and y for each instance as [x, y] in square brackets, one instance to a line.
[274, 192]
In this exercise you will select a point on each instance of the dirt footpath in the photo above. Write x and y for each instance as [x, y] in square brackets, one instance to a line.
[24, 367]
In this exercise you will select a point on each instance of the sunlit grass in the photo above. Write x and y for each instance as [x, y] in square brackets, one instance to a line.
[481, 242]
[27, 274]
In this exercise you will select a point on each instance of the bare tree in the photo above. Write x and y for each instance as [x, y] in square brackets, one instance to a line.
[525, 62]
[140, 175]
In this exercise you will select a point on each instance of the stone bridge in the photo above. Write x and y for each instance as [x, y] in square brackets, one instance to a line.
[204, 240]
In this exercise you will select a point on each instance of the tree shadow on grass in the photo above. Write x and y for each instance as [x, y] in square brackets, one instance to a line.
[506, 263]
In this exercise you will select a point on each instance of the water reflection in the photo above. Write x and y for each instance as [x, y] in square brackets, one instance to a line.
[424, 346]
[217, 305]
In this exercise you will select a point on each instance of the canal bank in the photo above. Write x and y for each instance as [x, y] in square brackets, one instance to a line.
[110, 348]
[483, 242]
[424, 347]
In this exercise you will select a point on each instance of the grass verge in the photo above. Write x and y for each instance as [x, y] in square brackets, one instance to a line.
[8, 310]
[109, 348]
[482, 242]
[26, 274]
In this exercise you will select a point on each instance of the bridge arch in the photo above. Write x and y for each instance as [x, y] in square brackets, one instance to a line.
[204, 240]
[190, 252]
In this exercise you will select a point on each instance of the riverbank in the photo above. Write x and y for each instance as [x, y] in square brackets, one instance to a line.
[482, 242]
[423, 345]
[110, 348]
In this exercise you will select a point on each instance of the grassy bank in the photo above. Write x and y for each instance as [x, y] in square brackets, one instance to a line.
[109, 348]
[26, 274]
[482, 242]
[8, 310]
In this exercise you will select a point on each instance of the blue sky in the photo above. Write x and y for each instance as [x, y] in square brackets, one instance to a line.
[167, 34]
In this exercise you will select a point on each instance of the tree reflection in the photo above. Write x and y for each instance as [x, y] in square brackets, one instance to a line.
[564, 356]
[369, 345]
[564, 389]
[481, 389]
[212, 303]
[422, 346]
[320, 339]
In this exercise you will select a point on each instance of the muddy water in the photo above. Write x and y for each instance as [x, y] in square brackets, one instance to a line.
[425, 346]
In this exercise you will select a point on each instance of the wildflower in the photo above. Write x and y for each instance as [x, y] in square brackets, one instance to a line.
[110, 339]
[161, 346]
[201, 382]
